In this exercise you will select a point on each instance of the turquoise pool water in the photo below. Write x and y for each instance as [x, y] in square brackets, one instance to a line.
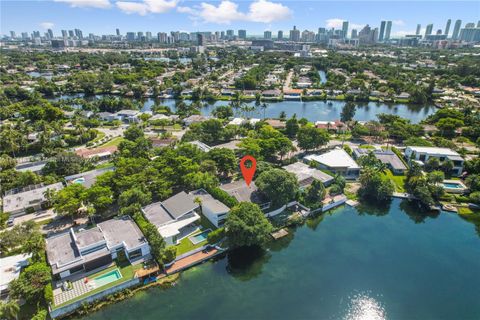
[107, 278]
[79, 180]
[199, 237]
[452, 185]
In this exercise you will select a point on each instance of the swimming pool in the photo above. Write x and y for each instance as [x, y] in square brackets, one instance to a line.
[452, 185]
[107, 278]
[79, 180]
[199, 237]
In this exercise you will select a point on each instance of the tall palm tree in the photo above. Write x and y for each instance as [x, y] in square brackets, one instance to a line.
[9, 310]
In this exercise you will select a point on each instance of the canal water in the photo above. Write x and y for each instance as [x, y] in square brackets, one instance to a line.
[354, 263]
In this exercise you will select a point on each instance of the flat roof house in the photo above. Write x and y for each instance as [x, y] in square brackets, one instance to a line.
[10, 268]
[215, 211]
[128, 115]
[337, 161]
[85, 250]
[17, 201]
[102, 153]
[243, 193]
[388, 157]
[422, 154]
[306, 174]
[174, 218]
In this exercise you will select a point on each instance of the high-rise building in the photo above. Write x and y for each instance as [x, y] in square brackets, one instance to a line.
[13, 34]
[148, 36]
[117, 31]
[295, 34]
[447, 27]
[308, 36]
[470, 33]
[200, 39]
[388, 30]
[280, 35]
[382, 31]
[71, 34]
[368, 35]
[161, 36]
[456, 29]
[79, 34]
[230, 34]
[267, 34]
[25, 36]
[478, 24]
[242, 34]
[222, 35]
[354, 34]
[130, 36]
[64, 34]
[419, 26]
[344, 29]
[50, 33]
[429, 29]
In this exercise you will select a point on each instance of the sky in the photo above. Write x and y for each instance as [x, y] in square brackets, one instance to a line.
[104, 16]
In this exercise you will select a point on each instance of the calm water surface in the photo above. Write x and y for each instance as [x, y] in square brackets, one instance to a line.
[363, 264]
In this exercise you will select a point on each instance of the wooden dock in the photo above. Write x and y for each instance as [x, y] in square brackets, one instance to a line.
[279, 234]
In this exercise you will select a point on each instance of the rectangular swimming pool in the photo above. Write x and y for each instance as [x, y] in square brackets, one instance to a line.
[199, 237]
[452, 185]
[107, 278]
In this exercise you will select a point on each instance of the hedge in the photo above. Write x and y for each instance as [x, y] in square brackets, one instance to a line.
[216, 235]
[223, 197]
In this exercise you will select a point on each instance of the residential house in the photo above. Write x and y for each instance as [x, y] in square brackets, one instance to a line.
[31, 198]
[35, 167]
[306, 174]
[215, 211]
[337, 126]
[423, 154]
[196, 118]
[88, 178]
[388, 157]
[273, 94]
[10, 268]
[101, 153]
[292, 94]
[106, 116]
[128, 115]
[84, 250]
[175, 218]
[243, 193]
[275, 123]
[338, 162]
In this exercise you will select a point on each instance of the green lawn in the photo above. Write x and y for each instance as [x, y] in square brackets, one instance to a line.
[127, 271]
[114, 142]
[398, 181]
[100, 136]
[186, 245]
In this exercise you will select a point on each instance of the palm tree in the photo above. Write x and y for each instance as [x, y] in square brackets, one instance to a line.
[9, 309]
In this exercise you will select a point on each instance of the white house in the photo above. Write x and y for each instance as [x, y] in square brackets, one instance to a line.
[18, 202]
[10, 268]
[175, 218]
[337, 161]
[85, 250]
[422, 154]
[215, 211]
[127, 115]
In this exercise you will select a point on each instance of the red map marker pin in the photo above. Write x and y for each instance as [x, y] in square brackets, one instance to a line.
[248, 172]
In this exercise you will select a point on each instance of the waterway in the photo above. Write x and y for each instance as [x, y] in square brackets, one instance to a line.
[354, 263]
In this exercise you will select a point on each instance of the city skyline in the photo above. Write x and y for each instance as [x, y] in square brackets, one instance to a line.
[105, 16]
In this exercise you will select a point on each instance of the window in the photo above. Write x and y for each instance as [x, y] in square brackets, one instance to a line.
[422, 157]
[135, 254]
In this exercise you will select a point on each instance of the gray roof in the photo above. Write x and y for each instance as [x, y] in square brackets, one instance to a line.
[386, 156]
[15, 200]
[88, 237]
[89, 176]
[31, 166]
[162, 212]
[305, 174]
[122, 230]
[210, 202]
[61, 250]
[240, 191]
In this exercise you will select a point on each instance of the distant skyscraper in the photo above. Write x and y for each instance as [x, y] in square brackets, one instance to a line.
[280, 35]
[130, 36]
[419, 26]
[470, 33]
[354, 34]
[267, 35]
[148, 35]
[429, 29]
[295, 34]
[368, 35]
[200, 39]
[117, 31]
[478, 24]
[25, 35]
[388, 30]
[345, 28]
[64, 34]
[242, 34]
[12, 34]
[230, 34]
[50, 33]
[79, 34]
[456, 29]
[447, 27]
[382, 31]
[71, 34]
[161, 36]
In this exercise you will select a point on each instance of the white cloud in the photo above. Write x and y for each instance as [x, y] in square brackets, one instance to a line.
[147, 6]
[47, 25]
[102, 4]
[398, 22]
[227, 11]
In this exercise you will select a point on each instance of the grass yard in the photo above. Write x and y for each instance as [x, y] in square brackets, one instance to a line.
[114, 142]
[398, 181]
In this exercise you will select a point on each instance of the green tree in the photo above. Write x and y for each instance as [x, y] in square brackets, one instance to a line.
[31, 282]
[310, 138]
[224, 159]
[278, 185]
[9, 309]
[246, 226]
[69, 200]
[348, 112]
[291, 127]
[374, 185]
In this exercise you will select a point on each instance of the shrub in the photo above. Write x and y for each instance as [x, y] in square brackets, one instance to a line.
[169, 254]
[48, 293]
[40, 315]
[222, 196]
[216, 235]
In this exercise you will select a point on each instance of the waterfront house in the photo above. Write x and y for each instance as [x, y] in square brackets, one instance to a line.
[338, 161]
[20, 201]
[336, 126]
[422, 154]
[388, 157]
[215, 211]
[84, 250]
[271, 93]
[292, 94]
[106, 116]
[275, 123]
[128, 115]
[175, 218]
[243, 193]
[102, 153]
[306, 174]
[196, 118]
